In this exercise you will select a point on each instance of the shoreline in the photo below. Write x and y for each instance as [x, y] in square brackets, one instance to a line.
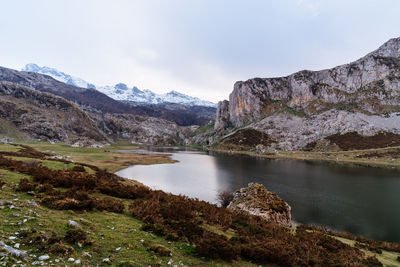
[313, 156]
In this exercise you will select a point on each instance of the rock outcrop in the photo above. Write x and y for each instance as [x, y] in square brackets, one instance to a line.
[257, 200]
[139, 129]
[370, 85]
[222, 119]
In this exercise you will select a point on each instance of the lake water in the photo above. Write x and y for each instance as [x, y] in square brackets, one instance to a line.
[361, 200]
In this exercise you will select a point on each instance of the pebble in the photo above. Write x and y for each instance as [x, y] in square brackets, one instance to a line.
[118, 249]
[73, 223]
[16, 245]
[71, 260]
[78, 262]
[5, 202]
[12, 237]
[44, 257]
[86, 254]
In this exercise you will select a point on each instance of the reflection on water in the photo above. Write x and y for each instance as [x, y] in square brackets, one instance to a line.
[359, 200]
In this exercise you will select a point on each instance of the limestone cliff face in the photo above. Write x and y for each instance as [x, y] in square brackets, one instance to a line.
[370, 85]
[222, 120]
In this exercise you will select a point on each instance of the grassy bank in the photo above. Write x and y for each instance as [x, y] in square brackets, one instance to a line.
[122, 223]
[382, 157]
[107, 157]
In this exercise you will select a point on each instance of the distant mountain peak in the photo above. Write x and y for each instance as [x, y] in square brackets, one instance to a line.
[121, 91]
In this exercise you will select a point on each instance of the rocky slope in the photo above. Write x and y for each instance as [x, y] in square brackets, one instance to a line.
[27, 114]
[362, 96]
[139, 129]
[92, 100]
[45, 117]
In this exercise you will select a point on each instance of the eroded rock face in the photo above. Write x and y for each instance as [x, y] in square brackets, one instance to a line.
[222, 118]
[257, 200]
[370, 85]
[139, 129]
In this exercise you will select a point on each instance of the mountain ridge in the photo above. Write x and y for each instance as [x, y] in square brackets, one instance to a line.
[120, 91]
[93, 100]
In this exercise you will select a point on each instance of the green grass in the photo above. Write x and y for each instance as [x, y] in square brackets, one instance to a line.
[109, 231]
[107, 157]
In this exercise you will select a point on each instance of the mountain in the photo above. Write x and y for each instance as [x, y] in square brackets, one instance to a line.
[31, 115]
[310, 106]
[121, 91]
[93, 100]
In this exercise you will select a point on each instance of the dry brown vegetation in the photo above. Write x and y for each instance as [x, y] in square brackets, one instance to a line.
[245, 139]
[355, 141]
[190, 220]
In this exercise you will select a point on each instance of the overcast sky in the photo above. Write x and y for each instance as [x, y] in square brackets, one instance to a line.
[198, 47]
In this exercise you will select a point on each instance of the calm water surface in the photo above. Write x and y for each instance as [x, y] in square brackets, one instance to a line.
[361, 200]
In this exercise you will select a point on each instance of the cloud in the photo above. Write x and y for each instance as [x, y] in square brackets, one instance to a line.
[197, 47]
[312, 6]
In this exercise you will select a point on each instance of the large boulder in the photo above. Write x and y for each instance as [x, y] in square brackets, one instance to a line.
[257, 200]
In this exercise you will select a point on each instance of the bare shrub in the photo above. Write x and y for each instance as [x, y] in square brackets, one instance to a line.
[224, 197]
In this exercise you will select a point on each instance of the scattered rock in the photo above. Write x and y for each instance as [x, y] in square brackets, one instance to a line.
[13, 251]
[44, 257]
[73, 223]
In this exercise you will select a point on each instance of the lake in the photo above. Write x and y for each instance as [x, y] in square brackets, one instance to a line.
[360, 200]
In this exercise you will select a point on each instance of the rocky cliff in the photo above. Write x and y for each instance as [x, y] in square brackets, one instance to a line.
[308, 106]
[222, 118]
[370, 85]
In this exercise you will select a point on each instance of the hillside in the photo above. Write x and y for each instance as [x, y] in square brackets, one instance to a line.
[28, 114]
[45, 117]
[92, 100]
[312, 106]
[60, 212]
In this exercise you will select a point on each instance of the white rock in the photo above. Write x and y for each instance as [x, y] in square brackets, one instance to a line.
[13, 251]
[73, 223]
[44, 257]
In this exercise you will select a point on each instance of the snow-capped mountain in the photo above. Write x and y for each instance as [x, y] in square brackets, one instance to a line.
[121, 91]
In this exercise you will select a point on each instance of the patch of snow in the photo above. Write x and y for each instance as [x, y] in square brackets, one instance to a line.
[121, 91]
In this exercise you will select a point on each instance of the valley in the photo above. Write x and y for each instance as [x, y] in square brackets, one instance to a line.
[112, 175]
[41, 211]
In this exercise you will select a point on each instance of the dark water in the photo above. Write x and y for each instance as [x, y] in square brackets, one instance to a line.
[361, 200]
